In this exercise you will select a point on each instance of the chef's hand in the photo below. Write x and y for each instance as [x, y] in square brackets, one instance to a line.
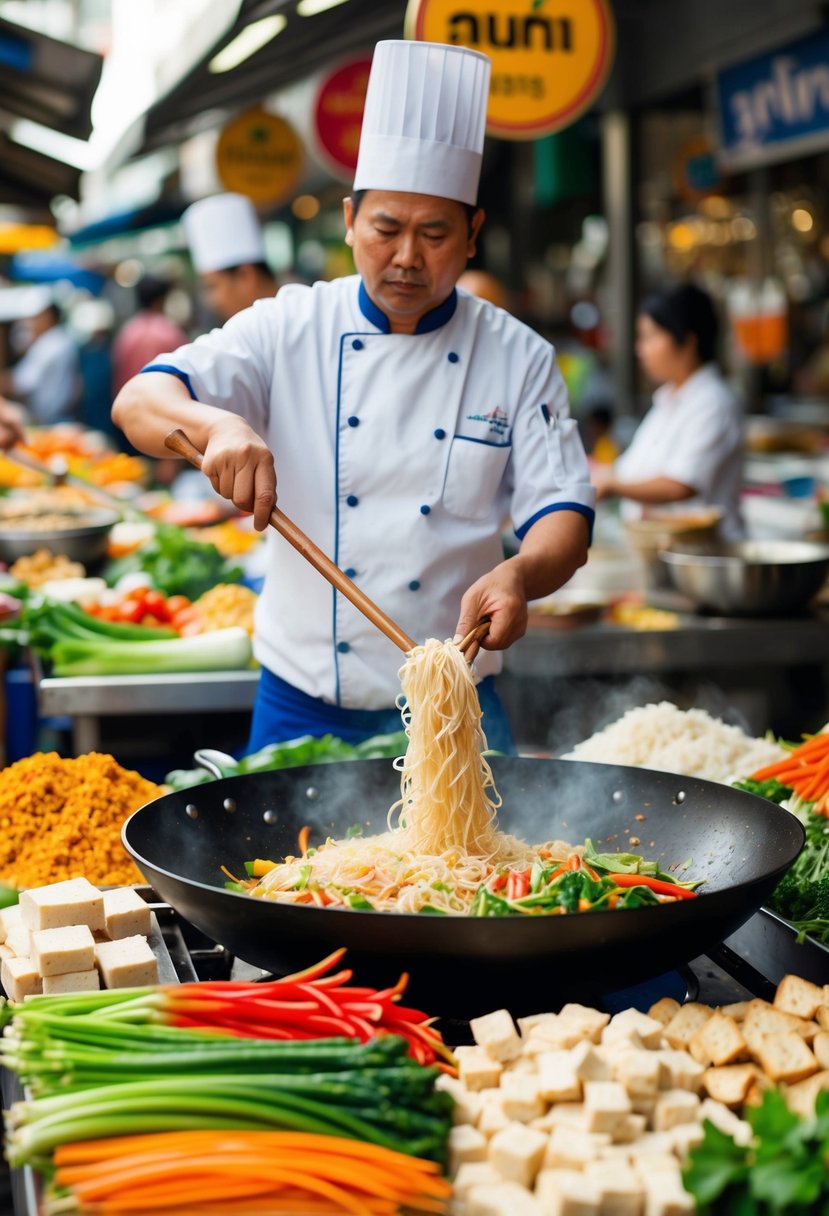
[240, 467]
[500, 595]
[11, 425]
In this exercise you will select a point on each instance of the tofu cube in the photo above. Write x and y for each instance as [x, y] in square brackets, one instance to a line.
[467, 1105]
[821, 1017]
[638, 1027]
[521, 1097]
[496, 1033]
[684, 1137]
[566, 1193]
[504, 1199]
[492, 1117]
[563, 1114]
[9, 917]
[20, 978]
[72, 902]
[797, 996]
[476, 1069]
[528, 1023]
[19, 941]
[675, 1106]
[516, 1152]
[589, 1022]
[606, 1104]
[685, 1024]
[718, 1041]
[588, 1065]
[664, 1010]
[678, 1070]
[126, 914]
[785, 1057]
[474, 1173]
[465, 1144]
[648, 1164]
[554, 1034]
[71, 981]
[557, 1079]
[620, 1188]
[128, 963]
[628, 1130]
[760, 1023]
[639, 1072]
[663, 1199]
[569, 1148]
[57, 951]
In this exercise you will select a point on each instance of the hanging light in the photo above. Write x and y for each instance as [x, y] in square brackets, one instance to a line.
[247, 42]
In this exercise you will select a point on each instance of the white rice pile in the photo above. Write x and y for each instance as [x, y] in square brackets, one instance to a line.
[678, 741]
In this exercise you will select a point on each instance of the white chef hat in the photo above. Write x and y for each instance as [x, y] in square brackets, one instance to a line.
[424, 120]
[223, 231]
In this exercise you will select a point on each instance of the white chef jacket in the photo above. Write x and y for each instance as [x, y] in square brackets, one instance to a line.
[48, 377]
[693, 434]
[400, 455]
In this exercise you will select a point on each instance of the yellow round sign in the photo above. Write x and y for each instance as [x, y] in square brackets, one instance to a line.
[260, 155]
[550, 58]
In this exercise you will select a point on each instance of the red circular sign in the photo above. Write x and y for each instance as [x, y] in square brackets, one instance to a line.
[338, 115]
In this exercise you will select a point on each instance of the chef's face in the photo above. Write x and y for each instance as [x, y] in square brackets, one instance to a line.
[662, 358]
[227, 292]
[410, 250]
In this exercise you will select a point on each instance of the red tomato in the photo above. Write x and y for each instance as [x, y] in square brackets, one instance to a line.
[156, 604]
[175, 604]
[130, 612]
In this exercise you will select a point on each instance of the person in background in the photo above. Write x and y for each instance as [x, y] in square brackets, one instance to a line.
[47, 378]
[408, 420]
[485, 286]
[146, 334]
[94, 323]
[688, 449]
[228, 252]
[11, 425]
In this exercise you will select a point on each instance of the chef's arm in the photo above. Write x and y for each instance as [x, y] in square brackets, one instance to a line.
[650, 492]
[550, 554]
[236, 459]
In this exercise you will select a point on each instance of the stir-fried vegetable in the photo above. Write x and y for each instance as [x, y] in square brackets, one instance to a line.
[586, 882]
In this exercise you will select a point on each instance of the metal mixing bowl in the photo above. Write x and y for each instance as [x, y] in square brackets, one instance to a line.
[751, 577]
[85, 542]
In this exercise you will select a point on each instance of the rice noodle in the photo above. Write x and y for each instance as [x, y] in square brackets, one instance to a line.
[443, 840]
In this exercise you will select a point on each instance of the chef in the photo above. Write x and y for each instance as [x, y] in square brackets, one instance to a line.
[407, 421]
[228, 252]
[688, 450]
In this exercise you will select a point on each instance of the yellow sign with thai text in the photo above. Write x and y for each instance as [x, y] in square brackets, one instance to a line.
[260, 155]
[550, 58]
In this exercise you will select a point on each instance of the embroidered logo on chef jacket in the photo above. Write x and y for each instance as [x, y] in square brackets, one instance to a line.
[497, 421]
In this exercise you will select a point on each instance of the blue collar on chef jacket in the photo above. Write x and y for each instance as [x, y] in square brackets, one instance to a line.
[429, 321]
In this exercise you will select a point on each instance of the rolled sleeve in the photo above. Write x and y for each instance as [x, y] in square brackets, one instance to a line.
[549, 466]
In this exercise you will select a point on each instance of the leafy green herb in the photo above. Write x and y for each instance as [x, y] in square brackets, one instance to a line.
[771, 789]
[802, 895]
[176, 564]
[784, 1171]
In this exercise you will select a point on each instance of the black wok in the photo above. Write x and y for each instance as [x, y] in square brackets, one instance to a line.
[738, 843]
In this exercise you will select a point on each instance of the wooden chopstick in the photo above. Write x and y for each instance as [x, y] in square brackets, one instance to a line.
[475, 635]
[178, 442]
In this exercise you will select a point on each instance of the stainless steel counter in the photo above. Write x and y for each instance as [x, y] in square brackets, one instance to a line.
[87, 699]
[724, 651]
[698, 643]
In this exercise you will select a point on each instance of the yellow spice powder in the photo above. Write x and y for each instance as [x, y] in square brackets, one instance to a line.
[62, 817]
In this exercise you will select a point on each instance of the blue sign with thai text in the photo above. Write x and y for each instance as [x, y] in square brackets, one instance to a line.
[777, 105]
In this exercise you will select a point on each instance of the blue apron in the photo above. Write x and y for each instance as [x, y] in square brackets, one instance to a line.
[282, 712]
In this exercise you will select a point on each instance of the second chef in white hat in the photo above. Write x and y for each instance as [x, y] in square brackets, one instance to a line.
[227, 247]
[407, 421]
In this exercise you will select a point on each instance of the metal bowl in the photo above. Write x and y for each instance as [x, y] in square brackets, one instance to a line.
[748, 578]
[85, 542]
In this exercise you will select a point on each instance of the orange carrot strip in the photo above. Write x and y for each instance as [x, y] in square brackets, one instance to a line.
[304, 837]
